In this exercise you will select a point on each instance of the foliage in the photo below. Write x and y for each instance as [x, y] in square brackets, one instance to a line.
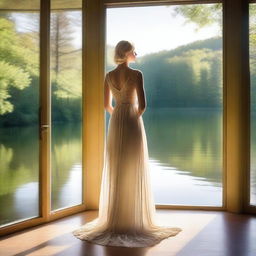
[15, 64]
[201, 86]
[66, 65]
[208, 14]
[201, 14]
[19, 69]
[10, 75]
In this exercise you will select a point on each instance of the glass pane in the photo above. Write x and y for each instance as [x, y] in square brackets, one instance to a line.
[253, 102]
[33, 5]
[19, 103]
[180, 55]
[66, 84]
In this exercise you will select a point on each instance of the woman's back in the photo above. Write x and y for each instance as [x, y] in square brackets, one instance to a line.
[119, 76]
[123, 84]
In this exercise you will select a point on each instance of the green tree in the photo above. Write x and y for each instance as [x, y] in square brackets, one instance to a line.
[19, 90]
[201, 14]
[183, 77]
[207, 14]
[66, 62]
[16, 63]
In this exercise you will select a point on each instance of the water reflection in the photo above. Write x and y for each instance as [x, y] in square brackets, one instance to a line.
[19, 181]
[188, 139]
[171, 186]
[66, 180]
[185, 149]
[19, 156]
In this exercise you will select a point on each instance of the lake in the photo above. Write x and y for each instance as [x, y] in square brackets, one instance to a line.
[185, 150]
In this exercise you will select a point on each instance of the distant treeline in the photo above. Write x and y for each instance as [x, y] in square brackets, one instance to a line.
[188, 76]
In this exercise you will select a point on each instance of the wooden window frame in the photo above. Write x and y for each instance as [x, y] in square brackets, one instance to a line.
[236, 108]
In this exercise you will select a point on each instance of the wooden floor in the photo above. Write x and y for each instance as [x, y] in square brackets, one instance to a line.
[205, 233]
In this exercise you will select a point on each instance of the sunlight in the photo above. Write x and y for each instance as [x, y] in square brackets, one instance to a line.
[192, 225]
[49, 250]
[153, 35]
[37, 237]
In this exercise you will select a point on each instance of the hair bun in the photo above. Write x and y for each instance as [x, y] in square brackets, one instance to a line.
[121, 49]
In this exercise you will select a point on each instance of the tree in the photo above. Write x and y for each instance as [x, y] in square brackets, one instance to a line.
[65, 57]
[16, 63]
[207, 14]
[201, 14]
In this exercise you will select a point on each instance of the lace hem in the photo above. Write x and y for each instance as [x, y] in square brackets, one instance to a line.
[89, 232]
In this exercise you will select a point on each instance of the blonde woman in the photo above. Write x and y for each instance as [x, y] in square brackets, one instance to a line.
[126, 209]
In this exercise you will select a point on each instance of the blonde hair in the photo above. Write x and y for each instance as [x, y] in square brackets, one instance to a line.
[121, 49]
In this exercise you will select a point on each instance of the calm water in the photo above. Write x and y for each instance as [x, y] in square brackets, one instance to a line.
[185, 149]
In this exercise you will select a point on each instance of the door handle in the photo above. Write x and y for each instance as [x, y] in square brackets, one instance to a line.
[43, 128]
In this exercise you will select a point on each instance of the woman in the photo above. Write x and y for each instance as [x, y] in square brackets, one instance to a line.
[126, 208]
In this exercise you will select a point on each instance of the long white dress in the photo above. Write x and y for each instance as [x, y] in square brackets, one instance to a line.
[126, 208]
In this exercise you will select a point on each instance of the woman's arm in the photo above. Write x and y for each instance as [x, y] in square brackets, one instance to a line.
[107, 97]
[141, 94]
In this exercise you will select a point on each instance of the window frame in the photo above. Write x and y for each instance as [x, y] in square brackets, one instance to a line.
[236, 107]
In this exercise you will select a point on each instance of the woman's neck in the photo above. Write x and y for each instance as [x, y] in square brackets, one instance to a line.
[123, 65]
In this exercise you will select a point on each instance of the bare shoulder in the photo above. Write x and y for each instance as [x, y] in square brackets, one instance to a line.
[136, 71]
[137, 75]
[109, 72]
[106, 74]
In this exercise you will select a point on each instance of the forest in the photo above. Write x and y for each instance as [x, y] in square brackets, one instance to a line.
[189, 76]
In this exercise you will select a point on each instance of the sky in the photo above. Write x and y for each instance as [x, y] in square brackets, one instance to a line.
[153, 28]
